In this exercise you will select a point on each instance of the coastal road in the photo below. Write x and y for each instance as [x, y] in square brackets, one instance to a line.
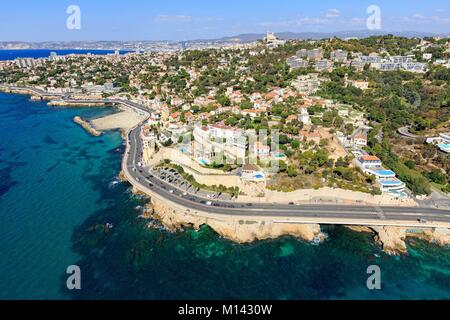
[36, 91]
[345, 213]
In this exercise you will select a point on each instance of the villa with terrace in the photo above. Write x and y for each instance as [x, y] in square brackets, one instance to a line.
[368, 162]
[392, 186]
[261, 150]
[253, 173]
[386, 179]
[442, 142]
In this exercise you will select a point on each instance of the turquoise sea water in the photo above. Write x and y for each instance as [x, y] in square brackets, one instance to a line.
[56, 195]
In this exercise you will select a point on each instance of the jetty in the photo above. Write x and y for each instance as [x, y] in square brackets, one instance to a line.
[87, 126]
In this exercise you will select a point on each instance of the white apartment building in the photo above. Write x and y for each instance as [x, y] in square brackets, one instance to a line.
[339, 56]
[307, 84]
[214, 142]
[323, 65]
[304, 116]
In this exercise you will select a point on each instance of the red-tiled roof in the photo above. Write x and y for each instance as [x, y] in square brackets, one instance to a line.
[370, 158]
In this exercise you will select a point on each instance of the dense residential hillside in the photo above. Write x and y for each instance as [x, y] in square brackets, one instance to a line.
[332, 101]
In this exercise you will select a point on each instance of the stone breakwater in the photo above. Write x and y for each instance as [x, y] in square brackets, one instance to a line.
[26, 91]
[72, 103]
[87, 126]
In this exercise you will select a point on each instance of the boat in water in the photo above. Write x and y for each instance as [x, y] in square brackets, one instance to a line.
[114, 183]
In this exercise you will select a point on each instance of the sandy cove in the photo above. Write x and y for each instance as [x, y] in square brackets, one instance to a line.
[121, 120]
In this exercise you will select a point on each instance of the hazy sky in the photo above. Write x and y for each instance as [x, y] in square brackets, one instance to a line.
[44, 20]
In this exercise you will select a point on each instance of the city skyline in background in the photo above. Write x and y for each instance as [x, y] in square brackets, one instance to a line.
[177, 20]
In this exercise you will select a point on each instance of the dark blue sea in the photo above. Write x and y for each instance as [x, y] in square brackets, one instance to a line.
[58, 189]
[44, 53]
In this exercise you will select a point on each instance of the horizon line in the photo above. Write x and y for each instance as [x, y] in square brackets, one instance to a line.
[328, 33]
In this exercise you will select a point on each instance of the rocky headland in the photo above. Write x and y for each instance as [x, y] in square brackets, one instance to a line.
[238, 229]
[393, 239]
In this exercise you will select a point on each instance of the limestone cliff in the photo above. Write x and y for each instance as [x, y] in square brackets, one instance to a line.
[235, 229]
[438, 236]
[392, 239]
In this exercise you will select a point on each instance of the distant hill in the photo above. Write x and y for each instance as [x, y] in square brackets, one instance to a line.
[241, 38]
[249, 37]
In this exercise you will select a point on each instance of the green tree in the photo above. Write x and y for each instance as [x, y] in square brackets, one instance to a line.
[295, 144]
[292, 171]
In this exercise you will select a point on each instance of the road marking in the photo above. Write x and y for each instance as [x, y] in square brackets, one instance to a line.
[380, 213]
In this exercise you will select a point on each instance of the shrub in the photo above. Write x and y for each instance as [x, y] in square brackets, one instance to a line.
[292, 172]
[436, 176]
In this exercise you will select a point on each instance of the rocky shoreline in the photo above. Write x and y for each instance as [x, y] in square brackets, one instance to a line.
[26, 91]
[237, 230]
[393, 239]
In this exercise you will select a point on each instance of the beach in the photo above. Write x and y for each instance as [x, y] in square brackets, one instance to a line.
[121, 120]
